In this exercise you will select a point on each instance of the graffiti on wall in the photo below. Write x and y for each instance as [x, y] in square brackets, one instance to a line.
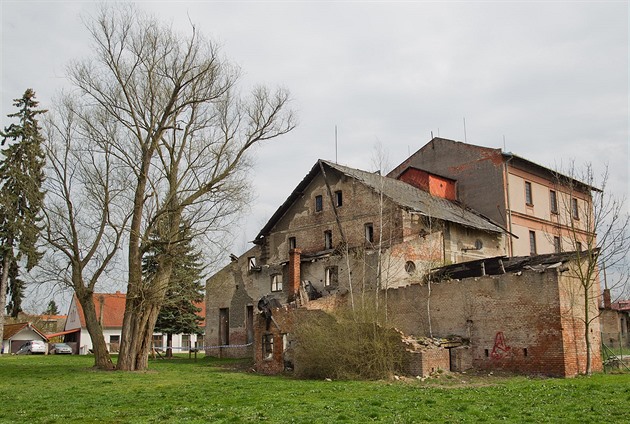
[500, 349]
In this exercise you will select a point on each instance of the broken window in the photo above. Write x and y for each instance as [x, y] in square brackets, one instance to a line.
[574, 208]
[319, 203]
[292, 243]
[267, 345]
[528, 193]
[553, 201]
[276, 282]
[556, 244]
[328, 240]
[532, 242]
[338, 198]
[369, 232]
[251, 263]
[330, 278]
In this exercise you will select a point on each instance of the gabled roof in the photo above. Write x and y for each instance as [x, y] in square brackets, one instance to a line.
[405, 195]
[110, 309]
[11, 330]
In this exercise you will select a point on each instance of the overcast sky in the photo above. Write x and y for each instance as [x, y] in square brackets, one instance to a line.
[549, 81]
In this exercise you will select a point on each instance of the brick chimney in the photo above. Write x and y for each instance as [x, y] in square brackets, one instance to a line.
[294, 273]
[607, 302]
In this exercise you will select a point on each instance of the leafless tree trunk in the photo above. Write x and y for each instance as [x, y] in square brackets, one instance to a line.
[183, 134]
[84, 212]
[594, 224]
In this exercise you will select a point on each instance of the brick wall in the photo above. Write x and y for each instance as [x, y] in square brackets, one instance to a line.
[514, 321]
[425, 362]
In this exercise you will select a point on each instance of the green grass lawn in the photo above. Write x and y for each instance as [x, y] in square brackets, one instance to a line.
[60, 389]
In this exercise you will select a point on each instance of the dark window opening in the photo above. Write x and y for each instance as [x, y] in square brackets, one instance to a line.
[331, 276]
[410, 267]
[369, 233]
[224, 326]
[251, 263]
[292, 243]
[328, 240]
[532, 243]
[557, 248]
[267, 343]
[528, 193]
[574, 209]
[578, 246]
[249, 323]
[553, 201]
[486, 352]
[525, 352]
[319, 203]
[338, 198]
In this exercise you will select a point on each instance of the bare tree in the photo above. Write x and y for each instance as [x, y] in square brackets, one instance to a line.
[183, 133]
[85, 212]
[595, 224]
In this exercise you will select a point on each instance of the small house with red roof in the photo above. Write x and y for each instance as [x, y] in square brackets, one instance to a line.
[16, 334]
[110, 310]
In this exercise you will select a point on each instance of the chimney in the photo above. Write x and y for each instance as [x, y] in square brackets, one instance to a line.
[294, 273]
[607, 299]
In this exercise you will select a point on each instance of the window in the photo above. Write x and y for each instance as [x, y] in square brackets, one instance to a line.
[199, 342]
[532, 242]
[158, 341]
[292, 243]
[556, 245]
[574, 208]
[578, 246]
[114, 343]
[319, 203]
[369, 233]
[330, 278]
[328, 240]
[185, 342]
[553, 201]
[338, 198]
[410, 267]
[251, 263]
[276, 282]
[528, 193]
[267, 343]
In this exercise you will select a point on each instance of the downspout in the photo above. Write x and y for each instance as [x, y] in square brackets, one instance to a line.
[507, 201]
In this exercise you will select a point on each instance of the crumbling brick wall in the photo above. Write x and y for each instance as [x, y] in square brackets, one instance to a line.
[425, 362]
[513, 321]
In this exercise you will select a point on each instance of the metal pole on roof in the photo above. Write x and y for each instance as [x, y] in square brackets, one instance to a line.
[336, 144]
[465, 141]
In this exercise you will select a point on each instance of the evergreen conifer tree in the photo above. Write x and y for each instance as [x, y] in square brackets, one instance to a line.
[21, 197]
[178, 314]
[52, 308]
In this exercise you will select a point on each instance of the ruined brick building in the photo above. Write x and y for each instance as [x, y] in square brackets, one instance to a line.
[534, 203]
[343, 230]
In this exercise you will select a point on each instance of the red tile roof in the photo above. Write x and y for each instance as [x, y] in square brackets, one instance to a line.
[11, 330]
[113, 309]
[110, 309]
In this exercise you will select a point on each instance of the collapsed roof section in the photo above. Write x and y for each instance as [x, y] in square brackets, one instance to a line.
[500, 265]
[405, 195]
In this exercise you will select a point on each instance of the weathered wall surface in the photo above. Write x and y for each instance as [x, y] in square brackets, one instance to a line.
[477, 170]
[515, 322]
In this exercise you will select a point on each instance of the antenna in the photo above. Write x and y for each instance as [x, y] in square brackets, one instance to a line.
[336, 144]
[504, 142]
[431, 135]
[465, 130]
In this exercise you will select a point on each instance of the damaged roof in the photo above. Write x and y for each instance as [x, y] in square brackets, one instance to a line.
[405, 195]
[500, 265]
